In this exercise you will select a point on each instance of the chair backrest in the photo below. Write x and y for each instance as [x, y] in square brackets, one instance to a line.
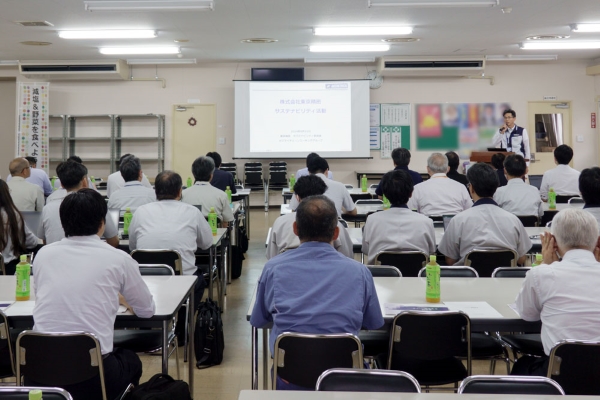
[348, 186]
[455, 271]
[369, 201]
[341, 221]
[510, 272]
[384, 271]
[32, 219]
[576, 200]
[485, 261]
[59, 359]
[529, 220]
[356, 197]
[408, 262]
[156, 269]
[6, 348]
[300, 358]
[239, 186]
[510, 384]
[254, 164]
[563, 199]
[22, 393]
[172, 258]
[575, 367]
[278, 178]
[228, 166]
[373, 186]
[277, 164]
[364, 380]
[535, 180]
[253, 178]
[429, 336]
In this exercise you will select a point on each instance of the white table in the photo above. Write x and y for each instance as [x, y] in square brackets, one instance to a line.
[561, 206]
[361, 209]
[286, 194]
[169, 293]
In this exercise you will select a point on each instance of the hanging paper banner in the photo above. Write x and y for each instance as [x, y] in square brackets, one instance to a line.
[32, 122]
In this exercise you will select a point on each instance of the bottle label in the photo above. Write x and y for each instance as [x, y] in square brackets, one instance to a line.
[432, 292]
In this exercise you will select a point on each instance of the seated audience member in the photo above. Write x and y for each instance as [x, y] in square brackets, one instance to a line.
[562, 178]
[221, 179]
[73, 176]
[79, 284]
[202, 193]
[282, 234]
[304, 171]
[315, 289]
[115, 180]
[453, 163]
[133, 194]
[38, 176]
[401, 159]
[60, 189]
[439, 195]
[484, 226]
[589, 187]
[518, 197]
[560, 294]
[336, 191]
[15, 236]
[399, 228]
[498, 163]
[26, 196]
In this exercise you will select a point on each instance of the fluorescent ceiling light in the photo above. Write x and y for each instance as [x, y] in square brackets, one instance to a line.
[140, 50]
[559, 45]
[153, 61]
[150, 5]
[363, 30]
[585, 27]
[340, 60]
[426, 3]
[523, 57]
[344, 48]
[4, 63]
[109, 34]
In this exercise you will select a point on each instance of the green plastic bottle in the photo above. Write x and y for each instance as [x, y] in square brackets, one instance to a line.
[386, 203]
[35, 394]
[539, 259]
[292, 182]
[53, 182]
[212, 221]
[189, 182]
[93, 179]
[127, 220]
[228, 193]
[364, 186]
[552, 199]
[432, 270]
[23, 273]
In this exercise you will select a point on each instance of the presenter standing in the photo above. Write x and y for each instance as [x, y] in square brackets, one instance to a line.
[512, 137]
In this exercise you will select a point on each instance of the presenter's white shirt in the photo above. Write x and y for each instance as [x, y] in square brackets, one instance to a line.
[115, 182]
[337, 192]
[440, 195]
[206, 195]
[25, 195]
[500, 140]
[564, 180]
[519, 198]
[132, 195]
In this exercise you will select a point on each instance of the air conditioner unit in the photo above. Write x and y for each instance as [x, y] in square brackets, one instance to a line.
[430, 66]
[75, 69]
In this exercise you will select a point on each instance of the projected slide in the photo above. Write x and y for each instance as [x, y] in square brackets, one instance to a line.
[300, 116]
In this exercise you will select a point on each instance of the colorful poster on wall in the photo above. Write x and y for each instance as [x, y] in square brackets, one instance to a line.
[428, 122]
[32, 122]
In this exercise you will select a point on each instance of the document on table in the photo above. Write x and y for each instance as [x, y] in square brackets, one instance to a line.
[474, 309]
[4, 304]
[396, 308]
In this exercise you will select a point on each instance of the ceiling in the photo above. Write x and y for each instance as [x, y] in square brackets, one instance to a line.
[214, 36]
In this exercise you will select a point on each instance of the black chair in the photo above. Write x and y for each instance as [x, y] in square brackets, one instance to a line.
[408, 262]
[348, 186]
[510, 384]
[172, 258]
[300, 358]
[7, 364]
[22, 393]
[229, 167]
[575, 366]
[563, 199]
[363, 380]
[156, 269]
[387, 271]
[361, 196]
[344, 223]
[529, 220]
[576, 200]
[510, 272]
[453, 272]
[485, 261]
[278, 178]
[253, 176]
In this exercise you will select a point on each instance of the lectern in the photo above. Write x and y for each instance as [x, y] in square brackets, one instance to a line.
[486, 156]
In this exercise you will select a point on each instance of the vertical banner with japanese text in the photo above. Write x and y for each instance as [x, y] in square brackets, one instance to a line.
[32, 122]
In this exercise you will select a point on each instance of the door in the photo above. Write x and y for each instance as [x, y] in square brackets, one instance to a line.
[194, 135]
[549, 126]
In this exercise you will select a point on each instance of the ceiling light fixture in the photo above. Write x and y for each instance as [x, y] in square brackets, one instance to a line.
[150, 5]
[566, 45]
[585, 28]
[426, 3]
[362, 30]
[522, 57]
[109, 34]
[140, 50]
[340, 60]
[346, 48]
[155, 61]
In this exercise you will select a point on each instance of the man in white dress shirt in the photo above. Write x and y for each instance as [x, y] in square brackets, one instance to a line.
[561, 292]
[562, 178]
[133, 194]
[518, 197]
[202, 193]
[25, 195]
[115, 180]
[304, 171]
[439, 195]
[38, 177]
[589, 186]
[282, 234]
[79, 283]
[485, 226]
[399, 228]
[512, 137]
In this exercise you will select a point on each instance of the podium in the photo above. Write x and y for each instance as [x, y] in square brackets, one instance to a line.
[486, 156]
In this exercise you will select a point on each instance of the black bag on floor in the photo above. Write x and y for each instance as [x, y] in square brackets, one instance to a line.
[161, 387]
[237, 258]
[209, 342]
[243, 241]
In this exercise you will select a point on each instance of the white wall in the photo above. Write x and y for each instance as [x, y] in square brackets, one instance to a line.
[8, 106]
[516, 83]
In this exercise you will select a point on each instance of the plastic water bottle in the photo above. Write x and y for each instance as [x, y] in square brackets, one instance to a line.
[552, 199]
[228, 193]
[93, 179]
[23, 273]
[35, 394]
[212, 221]
[432, 270]
[386, 203]
[292, 182]
[53, 182]
[539, 259]
[364, 184]
[189, 181]
[127, 220]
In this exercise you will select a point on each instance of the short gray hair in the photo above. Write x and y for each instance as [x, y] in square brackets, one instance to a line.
[438, 163]
[575, 228]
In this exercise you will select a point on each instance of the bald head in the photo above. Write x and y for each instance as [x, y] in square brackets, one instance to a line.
[19, 167]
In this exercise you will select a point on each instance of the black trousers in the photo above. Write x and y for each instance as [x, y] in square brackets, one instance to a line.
[198, 293]
[531, 366]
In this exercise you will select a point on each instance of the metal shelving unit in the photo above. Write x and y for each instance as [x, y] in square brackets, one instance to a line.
[120, 138]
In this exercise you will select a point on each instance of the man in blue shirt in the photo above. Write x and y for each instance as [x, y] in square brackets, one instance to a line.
[315, 289]
[401, 157]
[221, 179]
